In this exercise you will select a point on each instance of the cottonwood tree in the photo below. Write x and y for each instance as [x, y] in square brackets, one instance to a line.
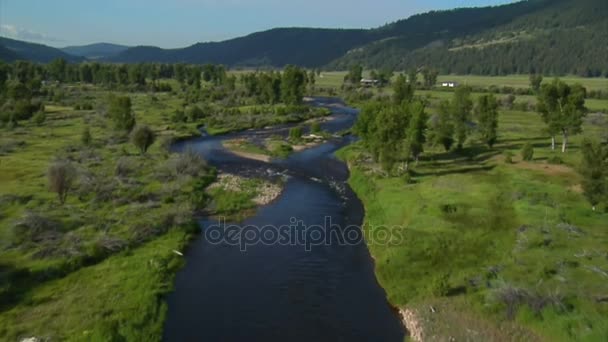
[562, 108]
[121, 113]
[293, 84]
[430, 77]
[461, 106]
[61, 176]
[412, 76]
[355, 74]
[535, 82]
[594, 169]
[416, 133]
[486, 113]
[442, 127]
[402, 90]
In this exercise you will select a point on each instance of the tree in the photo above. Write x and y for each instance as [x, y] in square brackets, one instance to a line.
[461, 106]
[293, 85]
[355, 74]
[562, 108]
[430, 77]
[402, 90]
[442, 127]
[412, 76]
[486, 113]
[143, 137]
[416, 133]
[535, 82]
[121, 113]
[61, 176]
[594, 169]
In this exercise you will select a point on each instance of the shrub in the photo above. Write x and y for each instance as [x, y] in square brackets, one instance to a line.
[61, 176]
[143, 137]
[39, 118]
[195, 113]
[315, 127]
[121, 113]
[86, 138]
[187, 163]
[508, 157]
[33, 227]
[440, 285]
[527, 152]
[295, 133]
[555, 160]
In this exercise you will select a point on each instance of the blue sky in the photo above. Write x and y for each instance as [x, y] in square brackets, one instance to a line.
[179, 23]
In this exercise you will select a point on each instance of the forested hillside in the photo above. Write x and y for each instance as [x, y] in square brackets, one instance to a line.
[11, 50]
[543, 36]
[551, 37]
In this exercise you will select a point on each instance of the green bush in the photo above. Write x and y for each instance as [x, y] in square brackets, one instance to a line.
[295, 133]
[508, 157]
[440, 285]
[39, 118]
[556, 160]
[315, 127]
[527, 152]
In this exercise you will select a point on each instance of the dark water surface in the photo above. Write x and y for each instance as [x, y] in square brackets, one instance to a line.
[274, 292]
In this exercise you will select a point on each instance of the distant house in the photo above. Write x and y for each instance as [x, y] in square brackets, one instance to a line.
[369, 82]
[449, 84]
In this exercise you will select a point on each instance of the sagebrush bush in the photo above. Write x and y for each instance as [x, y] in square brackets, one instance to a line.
[527, 152]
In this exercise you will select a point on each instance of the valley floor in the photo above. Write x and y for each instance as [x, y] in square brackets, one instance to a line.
[483, 249]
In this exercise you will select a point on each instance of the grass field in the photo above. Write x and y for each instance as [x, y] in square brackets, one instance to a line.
[335, 80]
[499, 251]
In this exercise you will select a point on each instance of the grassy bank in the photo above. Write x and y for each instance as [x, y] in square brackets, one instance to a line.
[97, 267]
[491, 250]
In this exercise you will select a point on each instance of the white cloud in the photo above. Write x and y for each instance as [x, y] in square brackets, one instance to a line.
[12, 31]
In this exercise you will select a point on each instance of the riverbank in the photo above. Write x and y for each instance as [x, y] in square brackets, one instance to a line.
[475, 259]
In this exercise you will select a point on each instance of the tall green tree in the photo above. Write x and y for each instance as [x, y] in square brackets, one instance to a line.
[594, 169]
[355, 74]
[430, 77]
[486, 113]
[562, 108]
[416, 132]
[461, 107]
[293, 85]
[412, 76]
[121, 113]
[402, 90]
[442, 127]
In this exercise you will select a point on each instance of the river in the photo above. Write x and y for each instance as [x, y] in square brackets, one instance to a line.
[284, 292]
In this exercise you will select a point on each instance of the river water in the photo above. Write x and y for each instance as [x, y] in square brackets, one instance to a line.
[284, 291]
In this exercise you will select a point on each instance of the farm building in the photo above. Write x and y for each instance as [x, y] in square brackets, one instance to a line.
[449, 84]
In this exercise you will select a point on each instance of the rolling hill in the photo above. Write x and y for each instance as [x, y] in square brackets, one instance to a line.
[548, 36]
[95, 51]
[11, 50]
[551, 36]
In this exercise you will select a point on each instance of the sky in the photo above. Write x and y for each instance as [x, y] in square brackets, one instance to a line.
[180, 23]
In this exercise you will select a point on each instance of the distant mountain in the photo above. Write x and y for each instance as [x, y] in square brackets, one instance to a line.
[95, 51]
[548, 36]
[11, 50]
[554, 36]
[307, 47]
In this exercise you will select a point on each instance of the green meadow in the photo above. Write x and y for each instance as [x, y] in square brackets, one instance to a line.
[486, 249]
